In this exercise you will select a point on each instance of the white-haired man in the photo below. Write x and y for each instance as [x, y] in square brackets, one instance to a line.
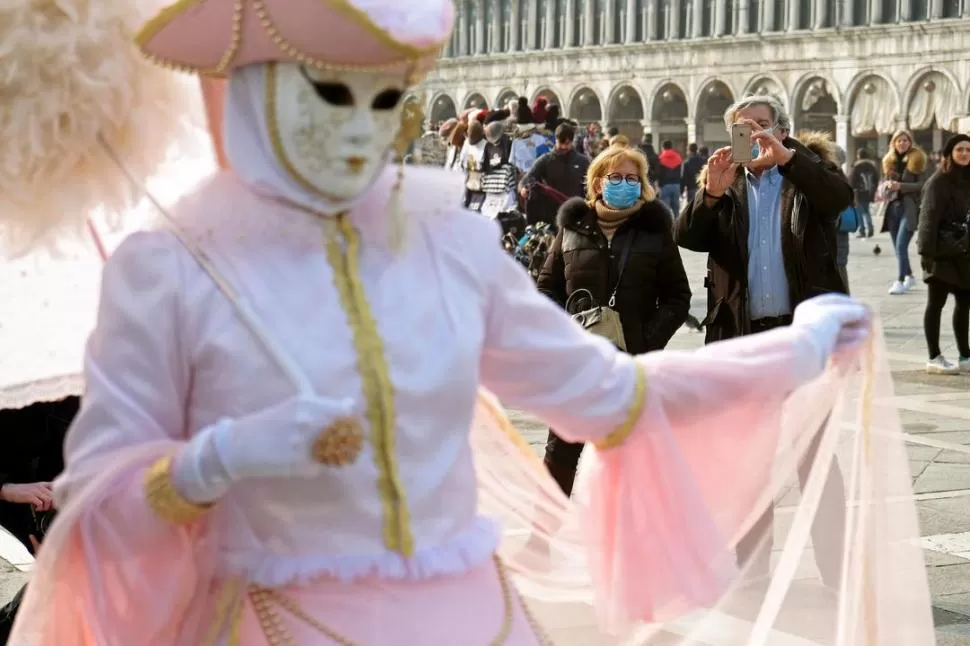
[768, 227]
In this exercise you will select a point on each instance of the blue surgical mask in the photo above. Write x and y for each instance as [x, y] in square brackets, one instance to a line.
[622, 195]
[755, 148]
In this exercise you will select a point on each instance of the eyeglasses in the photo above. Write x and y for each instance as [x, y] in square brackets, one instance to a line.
[616, 179]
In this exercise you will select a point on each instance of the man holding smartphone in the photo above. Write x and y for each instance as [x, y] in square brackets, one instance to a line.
[765, 213]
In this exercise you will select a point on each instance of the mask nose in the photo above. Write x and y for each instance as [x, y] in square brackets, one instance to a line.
[360, 128]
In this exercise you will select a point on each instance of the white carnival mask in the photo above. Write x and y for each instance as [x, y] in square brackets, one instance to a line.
[332, 131]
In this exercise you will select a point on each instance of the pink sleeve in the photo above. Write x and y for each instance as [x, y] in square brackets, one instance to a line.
[691, 449]
[538, 359]
[111, 571]
[663, 511]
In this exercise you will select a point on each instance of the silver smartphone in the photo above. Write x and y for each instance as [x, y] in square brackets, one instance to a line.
[741, 143]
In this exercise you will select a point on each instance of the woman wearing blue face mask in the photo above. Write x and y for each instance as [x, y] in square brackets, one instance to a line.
[617, 244]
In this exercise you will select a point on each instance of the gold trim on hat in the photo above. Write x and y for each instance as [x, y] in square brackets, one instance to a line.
[168, 14]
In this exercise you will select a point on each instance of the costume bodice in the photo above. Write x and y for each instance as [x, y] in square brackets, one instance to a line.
[407, 336]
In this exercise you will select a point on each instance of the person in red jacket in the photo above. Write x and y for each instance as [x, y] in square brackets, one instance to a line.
[670, 176]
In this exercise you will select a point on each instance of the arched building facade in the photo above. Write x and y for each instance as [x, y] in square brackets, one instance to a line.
[671, 73]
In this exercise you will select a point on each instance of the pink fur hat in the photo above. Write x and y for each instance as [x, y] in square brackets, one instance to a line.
[215, 36]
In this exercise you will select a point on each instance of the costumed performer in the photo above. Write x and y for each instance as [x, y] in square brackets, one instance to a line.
[273, 446]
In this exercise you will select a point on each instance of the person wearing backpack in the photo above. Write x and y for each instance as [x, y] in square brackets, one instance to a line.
[864, 179]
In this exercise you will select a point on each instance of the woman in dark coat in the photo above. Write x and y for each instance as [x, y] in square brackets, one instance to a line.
[620, 215]
[946, 205]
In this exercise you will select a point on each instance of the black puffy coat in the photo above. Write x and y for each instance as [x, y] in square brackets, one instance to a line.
[653, 296]
[946, 197]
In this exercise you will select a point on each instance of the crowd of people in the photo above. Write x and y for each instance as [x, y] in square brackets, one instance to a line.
[532, 159]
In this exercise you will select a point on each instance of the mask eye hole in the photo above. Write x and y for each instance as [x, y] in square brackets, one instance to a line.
[387, 100]
[336, 94]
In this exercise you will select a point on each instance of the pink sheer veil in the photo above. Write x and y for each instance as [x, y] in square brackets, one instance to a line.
[846, 566]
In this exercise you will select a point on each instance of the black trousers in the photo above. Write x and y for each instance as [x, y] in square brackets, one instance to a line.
[828, 526]
[561, 460]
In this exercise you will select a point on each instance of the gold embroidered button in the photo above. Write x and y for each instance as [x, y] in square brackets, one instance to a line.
[339, 444]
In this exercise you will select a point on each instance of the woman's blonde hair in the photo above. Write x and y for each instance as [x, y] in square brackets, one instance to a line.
[609, 159]
[620, 140]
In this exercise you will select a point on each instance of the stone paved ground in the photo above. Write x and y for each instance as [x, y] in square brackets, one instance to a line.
[933, 408]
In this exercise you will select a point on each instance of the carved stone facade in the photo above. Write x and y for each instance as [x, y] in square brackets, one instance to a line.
[860, 83]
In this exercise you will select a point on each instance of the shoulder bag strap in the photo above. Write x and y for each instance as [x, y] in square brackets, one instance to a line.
[624, 257]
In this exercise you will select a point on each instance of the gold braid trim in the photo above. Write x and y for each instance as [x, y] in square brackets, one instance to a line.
[167, 503]
[618, 436]
[376, 383]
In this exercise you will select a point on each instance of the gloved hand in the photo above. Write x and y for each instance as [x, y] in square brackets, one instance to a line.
[275, 442]
[833, 324]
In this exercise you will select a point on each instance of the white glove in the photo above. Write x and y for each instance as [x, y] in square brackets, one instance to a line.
[275, 442]
[833, 324]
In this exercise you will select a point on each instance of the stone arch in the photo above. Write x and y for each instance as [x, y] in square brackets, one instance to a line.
[816, 101]
[712, 101]
[585, 105]
[941, 89]
[859, 80]
[626, 110]
[704, 88]
[669, 110]
[768, 83]
[441, 108]
[551, 94]
[872, 108]
[474, 100]
[504, 96]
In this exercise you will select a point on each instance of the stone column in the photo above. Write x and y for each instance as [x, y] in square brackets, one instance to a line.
[842, 135]
[875, 11]
[741, 24]
[697, 18]
[674, 19]
[631, 22]
[768, 15]
[906, 10]
[609, 21]
[498, 43]
[569, 38]
[791, 19]
[479, 27]
[463, 29]
[691, 130]
[821, 14]
[848, 15]
[936, 11]
[650, 20]
[531, 25]
[515, 28]
[550, 40]
[720, 17]
[589, 28]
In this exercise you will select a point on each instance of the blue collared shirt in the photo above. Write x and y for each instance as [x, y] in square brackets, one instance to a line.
[767, 282]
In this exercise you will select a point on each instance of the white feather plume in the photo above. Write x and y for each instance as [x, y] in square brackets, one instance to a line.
[70, 79]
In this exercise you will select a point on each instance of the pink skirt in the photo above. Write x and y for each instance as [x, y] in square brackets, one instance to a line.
[471, 609]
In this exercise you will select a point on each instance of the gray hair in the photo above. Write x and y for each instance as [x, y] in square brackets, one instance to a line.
[778, 113]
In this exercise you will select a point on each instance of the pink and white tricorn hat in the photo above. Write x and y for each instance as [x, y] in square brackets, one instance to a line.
[213, 37]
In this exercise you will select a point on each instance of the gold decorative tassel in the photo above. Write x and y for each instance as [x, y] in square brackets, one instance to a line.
[412, 120]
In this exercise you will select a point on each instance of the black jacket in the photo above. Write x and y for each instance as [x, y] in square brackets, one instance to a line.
[653, 296]
[33, 448]
[946, 198]
[864, 180]
[815, 193]
[692, 169]
[564, 172]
